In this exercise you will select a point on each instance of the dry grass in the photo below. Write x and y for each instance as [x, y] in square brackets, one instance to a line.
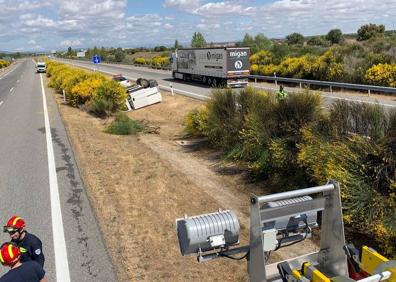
[139, 185]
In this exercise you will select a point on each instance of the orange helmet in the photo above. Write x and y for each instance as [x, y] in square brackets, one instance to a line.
[9, 254]
[15, 223]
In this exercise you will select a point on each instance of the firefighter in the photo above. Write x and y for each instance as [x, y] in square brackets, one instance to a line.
[10, 255]
[281, 94]
[30, 245]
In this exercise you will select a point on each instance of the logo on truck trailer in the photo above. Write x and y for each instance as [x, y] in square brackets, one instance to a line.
[238, 65]
[238, 54]
[214, 56]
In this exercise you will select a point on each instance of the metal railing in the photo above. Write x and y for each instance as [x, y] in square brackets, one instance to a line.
[341, 85]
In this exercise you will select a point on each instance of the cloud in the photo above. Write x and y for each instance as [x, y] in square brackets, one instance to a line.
[168, 26]
[72, 43]
[223, 8]
[184, 5]
[115, 23]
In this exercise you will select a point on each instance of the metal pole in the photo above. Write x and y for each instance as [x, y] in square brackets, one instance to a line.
[64, 96]
[369, 92]
[171, 87]
[255, 80]
[276, 82]
[331, 89]
[295, 193]
[300, 85]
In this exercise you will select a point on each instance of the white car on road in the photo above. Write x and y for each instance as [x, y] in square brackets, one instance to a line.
[41, 67]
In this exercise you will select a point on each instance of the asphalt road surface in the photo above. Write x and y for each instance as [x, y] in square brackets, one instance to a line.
[40, 180]
[203, 92]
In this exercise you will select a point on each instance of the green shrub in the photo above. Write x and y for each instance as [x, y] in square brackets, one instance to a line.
[361, 118]
[298, 111]
[108, 98]
[196, 122]
[123, 125]
[223, 119]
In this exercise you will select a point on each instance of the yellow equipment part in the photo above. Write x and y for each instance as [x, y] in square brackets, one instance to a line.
[313, 274]
[296, 274]
[371, 259]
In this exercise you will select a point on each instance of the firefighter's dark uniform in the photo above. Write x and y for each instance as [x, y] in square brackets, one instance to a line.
[31, 249]
[29, 271]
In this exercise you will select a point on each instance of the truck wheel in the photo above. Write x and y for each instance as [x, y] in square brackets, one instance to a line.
[209, 81]
[214, 83]
[204, 80]
[173, 75]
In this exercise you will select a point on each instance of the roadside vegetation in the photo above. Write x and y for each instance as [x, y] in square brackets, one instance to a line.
[94, 93]
[4, 64]
[294, 143]
[369, 57]
[123, 125]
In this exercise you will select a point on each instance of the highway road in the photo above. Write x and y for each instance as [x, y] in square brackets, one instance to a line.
[40, 180]
[203, 92]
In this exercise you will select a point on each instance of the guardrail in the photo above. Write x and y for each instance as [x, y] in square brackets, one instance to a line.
[330, 84]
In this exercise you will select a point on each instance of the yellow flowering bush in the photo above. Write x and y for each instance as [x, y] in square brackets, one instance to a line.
[326, 67]
[299, 67]
[140, 61]
[84, 90]
[4, 64]
[101, 95]
[262, 57]
[268, 70]
[254, 69]
[382, 75]
[160, 61]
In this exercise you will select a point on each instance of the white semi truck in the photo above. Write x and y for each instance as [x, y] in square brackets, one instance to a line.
[223, 66]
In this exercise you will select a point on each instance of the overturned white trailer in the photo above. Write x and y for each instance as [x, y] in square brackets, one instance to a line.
[142, 94]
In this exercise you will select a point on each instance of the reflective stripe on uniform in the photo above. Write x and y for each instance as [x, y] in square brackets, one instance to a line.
[1, 258]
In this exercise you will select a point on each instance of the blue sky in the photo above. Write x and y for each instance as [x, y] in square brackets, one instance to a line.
[30, 25]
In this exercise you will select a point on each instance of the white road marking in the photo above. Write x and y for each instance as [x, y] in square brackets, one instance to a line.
[11, 89]
[18, 81]
[61, 262]
[1, 103]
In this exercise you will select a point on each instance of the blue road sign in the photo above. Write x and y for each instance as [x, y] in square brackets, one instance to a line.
[96, 59]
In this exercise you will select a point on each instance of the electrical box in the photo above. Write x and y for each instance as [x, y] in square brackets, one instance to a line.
[269, 239]
[207, 232]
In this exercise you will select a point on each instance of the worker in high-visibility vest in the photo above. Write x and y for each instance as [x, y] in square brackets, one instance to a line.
[10, 255]
[30, 245]
[281, 94]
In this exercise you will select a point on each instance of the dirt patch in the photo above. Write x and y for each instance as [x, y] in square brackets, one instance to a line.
[139, 185]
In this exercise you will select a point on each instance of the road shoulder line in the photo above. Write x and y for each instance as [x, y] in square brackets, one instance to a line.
[61, 262]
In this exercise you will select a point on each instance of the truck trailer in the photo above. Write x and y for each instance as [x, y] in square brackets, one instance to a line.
[223, 66]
